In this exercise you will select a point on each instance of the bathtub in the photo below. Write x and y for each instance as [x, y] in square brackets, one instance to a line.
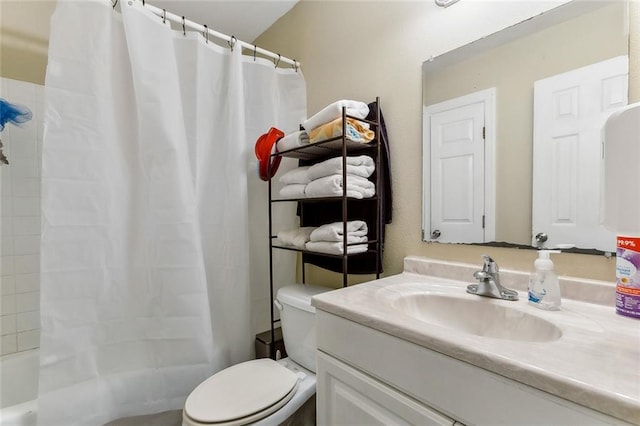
[19, 388]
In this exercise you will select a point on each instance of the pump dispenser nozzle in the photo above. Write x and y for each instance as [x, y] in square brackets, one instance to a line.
[544, 254]
[543, 262]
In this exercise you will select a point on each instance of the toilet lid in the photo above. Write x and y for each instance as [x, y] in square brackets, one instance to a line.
[240, 391]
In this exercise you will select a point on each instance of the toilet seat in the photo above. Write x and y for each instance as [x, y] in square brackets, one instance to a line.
[241, 394]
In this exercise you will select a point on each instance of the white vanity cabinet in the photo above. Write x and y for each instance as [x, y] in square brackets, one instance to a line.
[369, 377]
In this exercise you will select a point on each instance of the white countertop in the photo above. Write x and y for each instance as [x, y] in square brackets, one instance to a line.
[595, 363]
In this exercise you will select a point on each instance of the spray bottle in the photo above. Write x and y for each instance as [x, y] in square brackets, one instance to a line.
[544, 288]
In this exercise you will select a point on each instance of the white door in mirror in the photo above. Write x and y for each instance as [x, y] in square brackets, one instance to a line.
[570, 110]
[460, 193]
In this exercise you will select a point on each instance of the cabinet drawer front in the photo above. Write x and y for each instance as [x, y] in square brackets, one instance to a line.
[349, 397]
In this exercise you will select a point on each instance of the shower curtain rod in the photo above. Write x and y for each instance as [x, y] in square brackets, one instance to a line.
[231, 40]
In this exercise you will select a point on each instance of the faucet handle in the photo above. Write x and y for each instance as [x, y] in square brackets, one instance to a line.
[490, 265]
[481, 275]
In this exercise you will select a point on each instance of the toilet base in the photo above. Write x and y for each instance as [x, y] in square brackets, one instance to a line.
[305, 416]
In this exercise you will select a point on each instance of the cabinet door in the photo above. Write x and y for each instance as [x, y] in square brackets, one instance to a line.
[345, 396]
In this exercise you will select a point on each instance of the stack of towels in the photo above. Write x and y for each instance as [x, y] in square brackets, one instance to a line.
[325, 179]
[327, 124]
[328, 238]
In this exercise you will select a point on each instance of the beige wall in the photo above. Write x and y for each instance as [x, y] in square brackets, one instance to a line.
[513, 69]
[360, 50]
[24, 39]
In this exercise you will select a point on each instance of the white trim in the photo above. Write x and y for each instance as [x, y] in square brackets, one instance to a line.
[488, 98]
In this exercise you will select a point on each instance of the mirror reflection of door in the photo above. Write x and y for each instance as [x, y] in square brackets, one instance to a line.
[569, 112]
[567, 37]
[460, 174]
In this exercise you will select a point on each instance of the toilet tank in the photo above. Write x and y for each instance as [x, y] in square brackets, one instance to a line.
[297, 320]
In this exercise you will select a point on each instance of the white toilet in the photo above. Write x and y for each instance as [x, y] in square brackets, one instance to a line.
[264, 391]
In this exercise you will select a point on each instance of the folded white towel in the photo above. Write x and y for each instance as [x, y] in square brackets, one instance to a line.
[335, 248]
[296, 190]
[297, 175]
[328, 186]
[356, 232]
[296, 237]
[361, 165]
[331, 112]
[293, 140]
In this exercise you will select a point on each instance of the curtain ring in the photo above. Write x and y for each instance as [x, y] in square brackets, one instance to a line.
[278, 60]
[164, 16]
[295, 64]
[232, 42]
[115, 3]
[184, 31]
[255, 48]
[206, 34]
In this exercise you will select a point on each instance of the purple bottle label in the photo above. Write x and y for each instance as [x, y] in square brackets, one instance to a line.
[628, 276]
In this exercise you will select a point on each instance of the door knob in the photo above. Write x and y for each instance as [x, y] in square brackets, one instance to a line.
[435, 234]
[541, 237]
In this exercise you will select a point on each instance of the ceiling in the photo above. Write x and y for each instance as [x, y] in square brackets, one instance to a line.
[244, 19]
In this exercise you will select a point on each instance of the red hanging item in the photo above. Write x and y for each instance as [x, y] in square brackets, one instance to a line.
[263, 148]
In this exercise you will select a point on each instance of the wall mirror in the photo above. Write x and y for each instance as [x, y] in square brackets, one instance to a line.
[509, 155]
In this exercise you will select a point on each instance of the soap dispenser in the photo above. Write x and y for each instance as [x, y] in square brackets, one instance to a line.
[544, 288]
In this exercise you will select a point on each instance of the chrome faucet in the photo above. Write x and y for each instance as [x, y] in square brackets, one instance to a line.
[489, 282]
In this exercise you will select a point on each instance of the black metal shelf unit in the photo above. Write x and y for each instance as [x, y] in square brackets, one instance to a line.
[340, 146]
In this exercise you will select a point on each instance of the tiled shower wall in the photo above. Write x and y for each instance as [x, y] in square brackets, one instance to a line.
[20, 220]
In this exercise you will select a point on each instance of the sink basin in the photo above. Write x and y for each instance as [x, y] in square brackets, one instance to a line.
[478, 316]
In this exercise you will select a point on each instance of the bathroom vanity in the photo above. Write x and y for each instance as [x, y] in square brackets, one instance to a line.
[415, 348]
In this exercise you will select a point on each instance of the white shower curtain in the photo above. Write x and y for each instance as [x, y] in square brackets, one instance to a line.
[148, 181]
